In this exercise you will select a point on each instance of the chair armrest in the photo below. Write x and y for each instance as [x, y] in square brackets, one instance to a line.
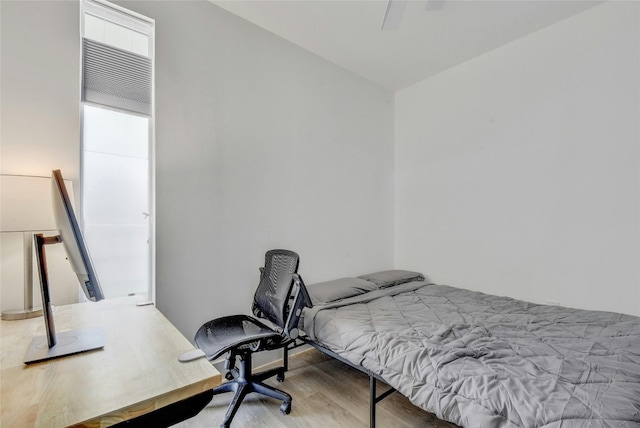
[301, 299]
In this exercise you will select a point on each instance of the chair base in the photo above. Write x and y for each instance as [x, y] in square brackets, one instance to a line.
[244, 383]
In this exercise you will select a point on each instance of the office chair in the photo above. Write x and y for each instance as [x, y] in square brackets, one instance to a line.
[279, 298]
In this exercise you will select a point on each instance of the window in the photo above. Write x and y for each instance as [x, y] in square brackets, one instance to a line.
[117, 147]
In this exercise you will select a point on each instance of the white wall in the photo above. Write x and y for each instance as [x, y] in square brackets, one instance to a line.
[40, 88]
[39, 112]
[260, 145]
[517, 173]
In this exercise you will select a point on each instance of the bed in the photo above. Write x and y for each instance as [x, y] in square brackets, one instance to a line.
[478, 360]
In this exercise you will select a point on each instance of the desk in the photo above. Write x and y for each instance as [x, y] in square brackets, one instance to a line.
[136, 373]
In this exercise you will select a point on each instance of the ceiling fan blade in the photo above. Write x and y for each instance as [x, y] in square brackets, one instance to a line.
[393, 15]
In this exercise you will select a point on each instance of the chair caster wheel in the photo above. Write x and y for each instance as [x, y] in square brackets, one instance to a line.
[285, 408]
[280, 377]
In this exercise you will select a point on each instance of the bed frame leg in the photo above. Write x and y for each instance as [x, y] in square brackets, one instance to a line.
[372, 401]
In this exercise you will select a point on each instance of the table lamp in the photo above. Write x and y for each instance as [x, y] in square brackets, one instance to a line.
[25, 206]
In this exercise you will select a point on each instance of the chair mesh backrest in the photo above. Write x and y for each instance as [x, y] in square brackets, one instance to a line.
[272, 296]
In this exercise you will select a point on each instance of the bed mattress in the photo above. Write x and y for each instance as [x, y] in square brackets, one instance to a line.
[479, 360]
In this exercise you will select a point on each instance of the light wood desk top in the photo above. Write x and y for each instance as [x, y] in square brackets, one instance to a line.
[137, 371]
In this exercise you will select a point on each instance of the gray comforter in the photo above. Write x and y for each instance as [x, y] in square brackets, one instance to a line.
[485, 361]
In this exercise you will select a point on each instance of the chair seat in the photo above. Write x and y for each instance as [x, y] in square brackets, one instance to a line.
[220, 335]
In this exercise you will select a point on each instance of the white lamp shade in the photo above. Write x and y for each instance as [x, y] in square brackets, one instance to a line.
[25, 203]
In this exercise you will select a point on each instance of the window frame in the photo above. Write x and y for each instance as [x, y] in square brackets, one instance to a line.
[113, 12]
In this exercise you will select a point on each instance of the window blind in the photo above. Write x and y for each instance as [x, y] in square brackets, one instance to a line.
[116, 77]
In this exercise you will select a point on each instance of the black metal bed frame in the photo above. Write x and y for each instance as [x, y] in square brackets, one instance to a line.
[373, 397]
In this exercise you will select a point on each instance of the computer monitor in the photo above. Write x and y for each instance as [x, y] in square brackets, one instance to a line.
[72, 238]
[55, 345]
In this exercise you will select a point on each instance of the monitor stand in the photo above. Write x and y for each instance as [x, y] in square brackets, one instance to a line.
[65, 343]
[68, 343]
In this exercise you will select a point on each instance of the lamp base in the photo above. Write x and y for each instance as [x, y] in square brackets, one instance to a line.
[21, 314]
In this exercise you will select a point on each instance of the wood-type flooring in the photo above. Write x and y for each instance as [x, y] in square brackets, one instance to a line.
[326, 393]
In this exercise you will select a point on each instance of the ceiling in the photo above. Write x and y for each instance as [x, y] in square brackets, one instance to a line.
[433, 35]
